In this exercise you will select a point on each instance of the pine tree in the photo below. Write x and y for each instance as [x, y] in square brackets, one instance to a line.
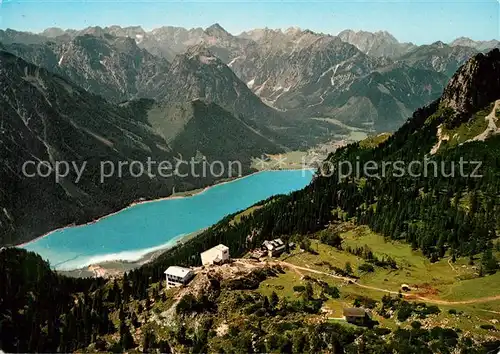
[149, 341]
[348, 268]
[308, 292]
[265, 303]
[488, 261]
[273, 301]
[126, 339]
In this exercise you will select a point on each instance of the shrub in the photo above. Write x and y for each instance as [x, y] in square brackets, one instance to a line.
[186, 304]
[416, 324]
[330, 238]
[299, 288]
[382, 331]
[365, 302]
[332, 291]
[488, 327]
[365, 267]
[431, 310]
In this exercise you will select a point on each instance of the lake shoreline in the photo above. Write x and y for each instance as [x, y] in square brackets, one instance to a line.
[116, 268]
[196, 191]
[124, 258]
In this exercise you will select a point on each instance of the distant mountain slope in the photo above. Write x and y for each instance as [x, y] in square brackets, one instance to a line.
[46, 118]
[378, 44]
[301, 73]
[439, 57]
[114, 67]
[385, 98]
[204, 129]
[312, 75]
[200, 74]
[9, 36]
[165, 41]
[117, 69]
[297, 73]
[478, 45]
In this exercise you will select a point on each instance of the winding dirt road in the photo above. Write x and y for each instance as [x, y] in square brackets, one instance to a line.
[407, 296]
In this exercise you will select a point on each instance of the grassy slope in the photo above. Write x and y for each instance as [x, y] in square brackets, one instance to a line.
[475, 126]
[374, 141]
[435, 280]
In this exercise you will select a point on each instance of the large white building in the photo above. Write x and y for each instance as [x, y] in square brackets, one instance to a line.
[177, 276]
[215, 255]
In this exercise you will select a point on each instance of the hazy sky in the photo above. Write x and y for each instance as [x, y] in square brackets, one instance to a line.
[415, 21]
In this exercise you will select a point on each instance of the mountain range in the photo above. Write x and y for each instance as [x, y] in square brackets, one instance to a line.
[300, 73]
[449, 217]
[126, 94]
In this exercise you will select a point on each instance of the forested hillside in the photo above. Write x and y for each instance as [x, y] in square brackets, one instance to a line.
[437, 213]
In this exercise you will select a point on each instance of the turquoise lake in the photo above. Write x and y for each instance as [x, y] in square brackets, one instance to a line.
[135, 231]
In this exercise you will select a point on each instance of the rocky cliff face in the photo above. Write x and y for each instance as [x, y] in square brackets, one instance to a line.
[166, 41]
[200, 74]
[200, 128]
[475, 85]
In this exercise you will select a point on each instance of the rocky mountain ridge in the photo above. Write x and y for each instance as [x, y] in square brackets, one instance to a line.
[438, 56]
[114, 67]
[479, 45]
[378, 44]
[301, 74]
[475, 85]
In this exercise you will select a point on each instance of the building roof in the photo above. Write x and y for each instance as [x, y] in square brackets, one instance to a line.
[274, 244]
[354, 312]
[177, 271]
[219, 247]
